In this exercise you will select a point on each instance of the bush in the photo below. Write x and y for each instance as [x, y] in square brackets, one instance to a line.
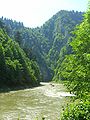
[78, 111]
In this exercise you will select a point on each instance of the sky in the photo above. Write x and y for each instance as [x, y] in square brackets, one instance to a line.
[34, 13]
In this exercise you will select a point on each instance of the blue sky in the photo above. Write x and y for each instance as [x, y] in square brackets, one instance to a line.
[34, 13]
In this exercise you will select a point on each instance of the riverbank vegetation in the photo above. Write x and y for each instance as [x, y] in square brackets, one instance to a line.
[16, 69]
[75, 69]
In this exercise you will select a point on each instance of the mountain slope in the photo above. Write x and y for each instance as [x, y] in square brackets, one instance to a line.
[15, 67]
[45, 44]
[58, 31]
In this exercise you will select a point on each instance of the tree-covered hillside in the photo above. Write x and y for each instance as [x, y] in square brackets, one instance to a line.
[58, 30]
[44, 45]
[32, 42]
[15, 67]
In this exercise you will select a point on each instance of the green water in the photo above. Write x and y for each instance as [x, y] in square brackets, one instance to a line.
[29, 104]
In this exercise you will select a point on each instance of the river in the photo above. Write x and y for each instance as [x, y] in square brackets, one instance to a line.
[28, 104]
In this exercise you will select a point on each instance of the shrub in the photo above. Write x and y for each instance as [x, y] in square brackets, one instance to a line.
[78, 111]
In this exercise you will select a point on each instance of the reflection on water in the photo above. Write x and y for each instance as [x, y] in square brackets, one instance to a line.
[46, 100]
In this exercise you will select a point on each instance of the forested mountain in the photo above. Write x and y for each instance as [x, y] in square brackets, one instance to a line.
[46, 43]
[58, 30]
[15, 67]
[31, 41]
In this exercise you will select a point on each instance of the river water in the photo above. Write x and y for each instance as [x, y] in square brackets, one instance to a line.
[29, 104]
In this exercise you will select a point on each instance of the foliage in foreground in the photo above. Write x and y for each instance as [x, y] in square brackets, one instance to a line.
[75, 69]
[79, 111]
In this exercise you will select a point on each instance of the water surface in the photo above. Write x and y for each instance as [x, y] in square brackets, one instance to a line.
[29, 104]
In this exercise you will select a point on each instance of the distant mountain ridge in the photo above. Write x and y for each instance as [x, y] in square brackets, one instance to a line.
[49, 43]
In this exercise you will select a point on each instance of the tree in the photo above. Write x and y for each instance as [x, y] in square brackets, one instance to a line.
[76, 67]
[18, 37]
